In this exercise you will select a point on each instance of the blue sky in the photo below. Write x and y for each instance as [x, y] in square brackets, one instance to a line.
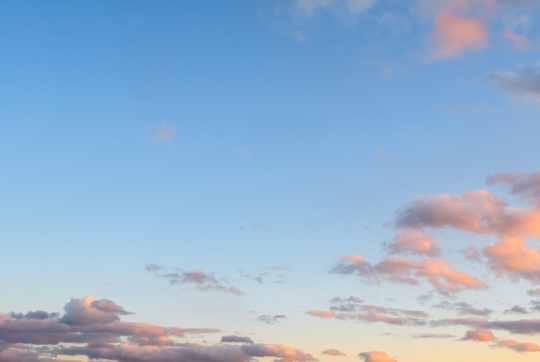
[259, 138]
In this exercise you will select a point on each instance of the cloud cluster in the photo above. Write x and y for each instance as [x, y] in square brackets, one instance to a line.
[464, 308]
[485, 335]
[92, 327]
[202, 280]
[353, 309]
[483, 213]
[439, 273]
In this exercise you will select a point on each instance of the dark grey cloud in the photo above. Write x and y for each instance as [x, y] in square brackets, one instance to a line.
[38, 314]
[522, 326]
[271, 319]
[432, 335]
[516, 310]
[523, 84]
[236, 339]
[463, 308]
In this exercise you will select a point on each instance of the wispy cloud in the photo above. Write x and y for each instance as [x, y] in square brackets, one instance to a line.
[271, 319]
[204, 281]
[163, 132]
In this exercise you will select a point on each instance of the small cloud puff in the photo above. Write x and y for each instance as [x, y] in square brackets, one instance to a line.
[333, 352]
[376, 356]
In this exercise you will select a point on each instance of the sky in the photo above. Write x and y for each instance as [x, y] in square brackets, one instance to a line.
[270, 180]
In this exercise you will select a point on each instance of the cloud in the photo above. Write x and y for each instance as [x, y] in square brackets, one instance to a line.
[90, 311]
[321, 313]
[516, 346]
[350, 6]
[236, 339]
[372, 313]
[271, 319]
[479, 335]
[151, 267]
[333, 352]
[453, 35]
[437, 272]
[516, 310]
[524, 84]
[483, 213]
[376, 356]
[527, 186]
[432, 335]
[203, 281]
[522, 326]
[533, 292]
[464, 308]
[83, 331]
[472, 254]
[163, 132]
[412, 241]
[518, 41]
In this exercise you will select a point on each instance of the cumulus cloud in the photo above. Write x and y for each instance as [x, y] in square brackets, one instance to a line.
[376, 356]
[91, 311]
[412, 241]
[479, 335]
[333, 352]
[92, 327]
[271, 319]
[236, 339]
[483, 213]
[437, 272]
[202, 280]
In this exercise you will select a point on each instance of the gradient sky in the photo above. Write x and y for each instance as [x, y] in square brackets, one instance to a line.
[293, 180]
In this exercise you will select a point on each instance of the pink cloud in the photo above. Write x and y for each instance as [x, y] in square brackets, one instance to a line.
[321, 313]
[437, 272]
[376, 356]
[479, 335]
[454, 34]
[518, 347]
[333, 352]
[417, 242]
[480, 212]
[518, 41]
[163, 132]
[510, 256]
